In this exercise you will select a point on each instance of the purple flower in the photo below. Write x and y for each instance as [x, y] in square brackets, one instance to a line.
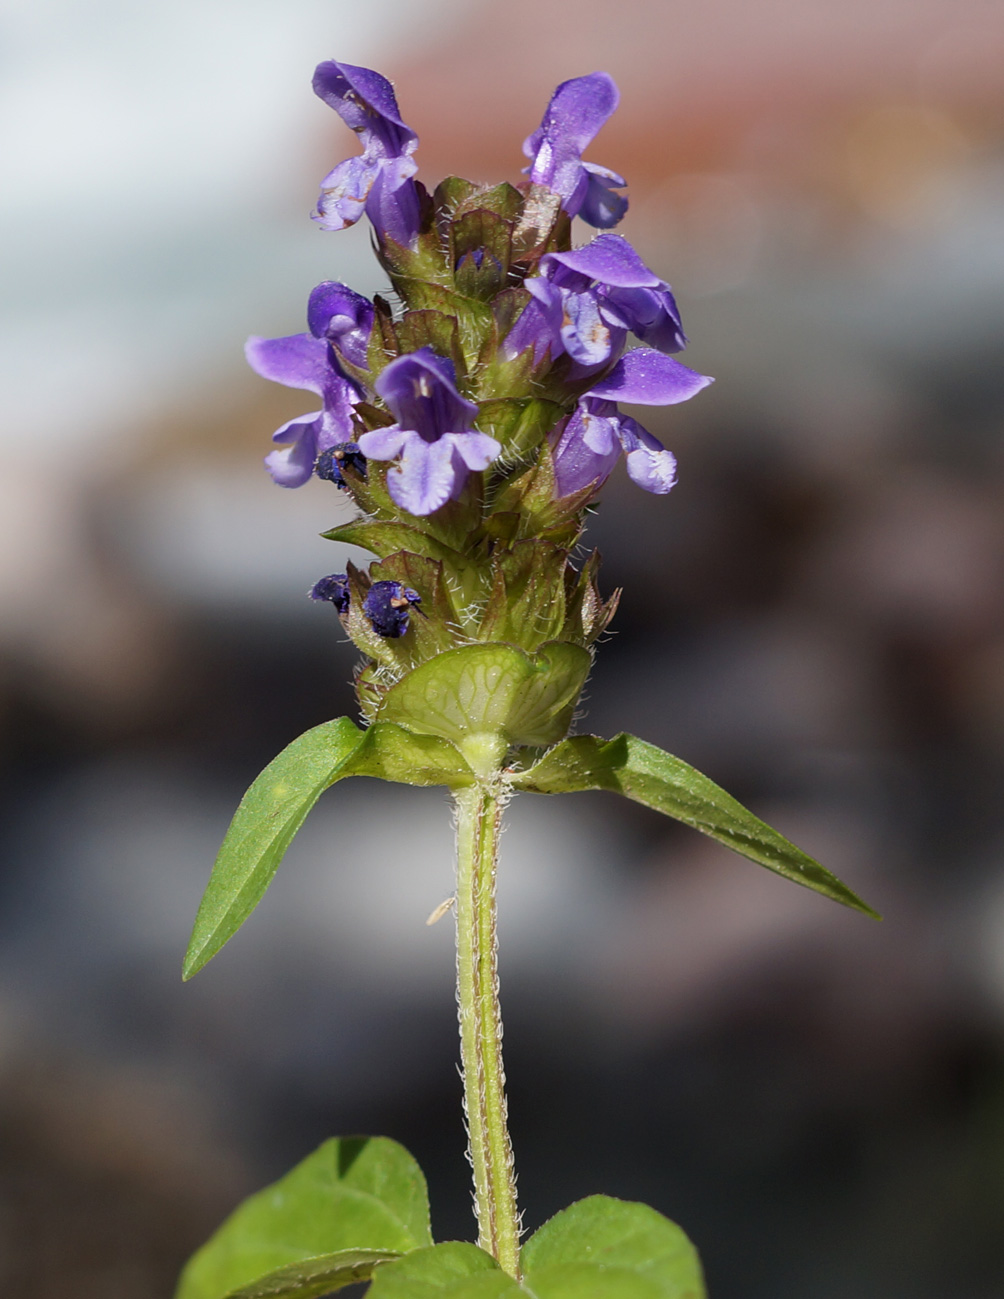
[334, 588]
[330, 462]
[432, 436]
[344, 318]
[379, 181]
[587, 300]
[577, 110]
[301, 361]
[592, 441]
[387, 606]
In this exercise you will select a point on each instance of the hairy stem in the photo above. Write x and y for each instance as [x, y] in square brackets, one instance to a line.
[478, 818]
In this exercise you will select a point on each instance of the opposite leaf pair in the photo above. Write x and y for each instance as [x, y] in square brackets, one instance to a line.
[357, 1209]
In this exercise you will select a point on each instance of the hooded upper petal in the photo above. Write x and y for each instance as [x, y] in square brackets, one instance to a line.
[577, 110]
[379, 181]
[420, 389]
[343, 317]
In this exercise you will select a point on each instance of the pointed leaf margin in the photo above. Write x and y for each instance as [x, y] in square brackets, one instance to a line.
[648, 775]
[277, 803]
[352, 1204]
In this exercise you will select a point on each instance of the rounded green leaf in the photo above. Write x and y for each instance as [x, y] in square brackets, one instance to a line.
[585, 1281]
[599, 1245]
[454, 1270]
[354, 1203]
[629, 766]
[492, 689]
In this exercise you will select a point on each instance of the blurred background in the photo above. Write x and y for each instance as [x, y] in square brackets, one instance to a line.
[814, 618]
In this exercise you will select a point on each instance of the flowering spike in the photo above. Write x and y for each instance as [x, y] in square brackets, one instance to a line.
[473, 425]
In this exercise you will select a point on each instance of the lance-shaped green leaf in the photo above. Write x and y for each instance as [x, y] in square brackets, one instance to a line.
[277, 804]
[646, 774]
[491, 689]
[354, 1203]
[601, 1237]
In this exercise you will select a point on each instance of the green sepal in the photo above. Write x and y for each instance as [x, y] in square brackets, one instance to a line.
[491, 689]
[277, 804]
[543, 514]
[453, 1270]
[436, 329]
[527, 602]
[454, 196]
[351, 1205]
[384, 536]
[629, 766]
[524, 375]
[473, 317]
[383, 346]
[480, 231]
[587, 614]
[520, 424]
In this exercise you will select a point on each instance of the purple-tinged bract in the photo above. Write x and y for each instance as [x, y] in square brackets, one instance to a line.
[379, 181]
[577, 110]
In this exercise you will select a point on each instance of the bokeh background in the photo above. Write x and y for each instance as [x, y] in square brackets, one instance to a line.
[814, 617]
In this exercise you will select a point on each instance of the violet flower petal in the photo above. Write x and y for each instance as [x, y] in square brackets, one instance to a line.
[476, 450]
[419, 388]
[601, 207]
[344, 317]
[577, 110]
[379, 180]
[298, 361]
[610, 260]
[426, 476]
[382, 443]
[587, 338]
[539, 323]
[650, 378]
[648, 462]
[293, 465]
[586, 451]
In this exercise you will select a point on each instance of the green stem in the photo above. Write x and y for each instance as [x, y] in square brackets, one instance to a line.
[478, 816]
